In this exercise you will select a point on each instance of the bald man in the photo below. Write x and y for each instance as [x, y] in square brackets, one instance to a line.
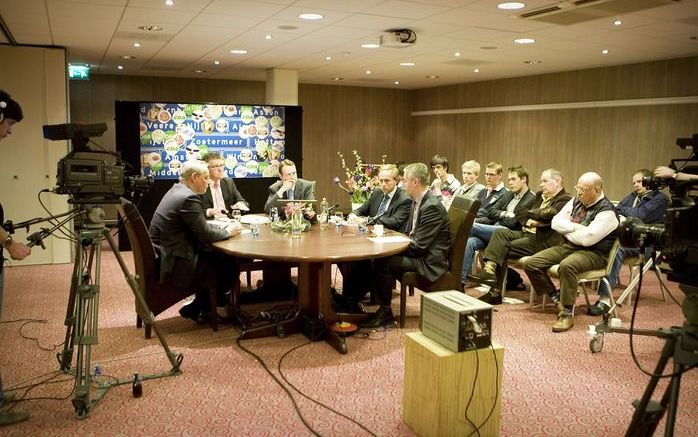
[588, 225]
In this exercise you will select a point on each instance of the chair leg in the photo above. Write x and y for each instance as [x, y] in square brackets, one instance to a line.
[148, 331]
[403, 303]
[249, 279]
[213, 297]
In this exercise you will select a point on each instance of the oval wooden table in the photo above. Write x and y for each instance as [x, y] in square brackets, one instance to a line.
[314, 251]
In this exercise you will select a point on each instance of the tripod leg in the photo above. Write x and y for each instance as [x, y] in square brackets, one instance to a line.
[65, 357]
[671, 398]
[146, 314]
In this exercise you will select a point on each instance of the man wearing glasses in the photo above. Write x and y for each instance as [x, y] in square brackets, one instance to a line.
[494, 189]
[180, 233]
[588, 225]
[222, 195]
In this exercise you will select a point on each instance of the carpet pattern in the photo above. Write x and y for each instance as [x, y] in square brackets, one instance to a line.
[553, 385]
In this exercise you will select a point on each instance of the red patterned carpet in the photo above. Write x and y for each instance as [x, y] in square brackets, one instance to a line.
[553, 385]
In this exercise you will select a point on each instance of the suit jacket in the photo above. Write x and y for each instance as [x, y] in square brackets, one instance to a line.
[494, 213]
[180, 230]
[650, 209]
[231, 195]
[395, 215]
[545, 232]
[304, 190]
[431, 239]
[486, 203]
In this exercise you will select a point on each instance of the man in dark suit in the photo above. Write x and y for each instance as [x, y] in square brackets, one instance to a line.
[430, 234]
[290, 187]
[535, 233]
[504, 213]
[222, 195]
[494, 189]
[180, 232]
[390, 206]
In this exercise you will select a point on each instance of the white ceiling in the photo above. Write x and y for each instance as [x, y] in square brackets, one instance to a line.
[198, 32]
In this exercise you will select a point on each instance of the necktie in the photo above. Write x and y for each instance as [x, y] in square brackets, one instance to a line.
[218, 201]
[384, 204]
[413, 218]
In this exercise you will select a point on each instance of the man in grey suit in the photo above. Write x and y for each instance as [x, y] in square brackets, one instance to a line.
[180, 233]
[390, 206]
[222, 195]
[290, 187]
[430, 234]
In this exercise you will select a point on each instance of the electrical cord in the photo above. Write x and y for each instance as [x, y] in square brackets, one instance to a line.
[496, 392]
[280, 384]
[472, 391]
[34, 339]
[308, 397]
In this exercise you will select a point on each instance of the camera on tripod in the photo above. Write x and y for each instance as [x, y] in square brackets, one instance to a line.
[89, 176]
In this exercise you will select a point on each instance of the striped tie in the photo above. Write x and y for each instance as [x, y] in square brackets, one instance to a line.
[384, 204]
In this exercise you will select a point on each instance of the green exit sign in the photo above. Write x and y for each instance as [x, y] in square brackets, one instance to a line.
[79, 72]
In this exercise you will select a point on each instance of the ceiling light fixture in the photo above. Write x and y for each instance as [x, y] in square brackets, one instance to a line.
[407, 64]
[127, 57]
[368, 72]
[169, 2]
[199, 71]
[477, 70]
[120, 67]
[328, 58]
[431, 76]
[511, 6]
[311, 16]
[238, 51]
[268, 37]
[370, 45]
[397, 82]
[136, 44]
[604, 51]
[216, 62]
[533, 62]
[336, 78]
[617, 23]
[524, 40]
[150, 28]
[457, 54]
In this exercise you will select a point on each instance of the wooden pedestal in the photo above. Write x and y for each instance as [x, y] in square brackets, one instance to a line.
[438, 384]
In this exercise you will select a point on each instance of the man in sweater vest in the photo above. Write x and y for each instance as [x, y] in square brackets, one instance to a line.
[588, 225]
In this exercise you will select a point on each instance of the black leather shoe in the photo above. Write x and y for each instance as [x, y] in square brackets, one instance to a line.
[598, 309]
[382, 317]
[190, 311]
[491, 298]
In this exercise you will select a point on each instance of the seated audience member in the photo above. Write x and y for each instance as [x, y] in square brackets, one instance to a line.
[400, 169]
[430, 233]
[445, 184]
[647, 205]
[505, 213]
[494, 189]
[222, 195]
[534, 236]
[290, 187]
[470, 188]
[588, 224]
[180, 233]
[667, 172]
[390, 206]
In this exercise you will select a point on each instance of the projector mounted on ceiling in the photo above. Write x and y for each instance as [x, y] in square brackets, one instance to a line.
[398, 38]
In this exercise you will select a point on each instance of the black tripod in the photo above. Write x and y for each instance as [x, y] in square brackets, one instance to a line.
[82, 314]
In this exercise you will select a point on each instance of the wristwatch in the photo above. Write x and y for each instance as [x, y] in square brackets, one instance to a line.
[7, 242]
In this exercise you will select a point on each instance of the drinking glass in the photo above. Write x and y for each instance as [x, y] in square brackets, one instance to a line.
[273, 213]
[338, 218]
[254, 228]
[235, 214]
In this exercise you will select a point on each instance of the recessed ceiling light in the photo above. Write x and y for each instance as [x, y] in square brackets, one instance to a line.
[524, 40]
[477, 70]
[370, 45]
[199, 71]
[328, 58]
[457, 54]
[431, 76]
[311, 16]
[397, 82]
[508, 6]
[238, 51]
[407, 64]
[533, 62]
[287, 27]
[268, 37]
[604, 51]
[368, 72]
[337, 78]
[150, 28]
[136, 44]
[120, 67]
[127, 57]
[617, 23]
[216, 62]
[169, 2]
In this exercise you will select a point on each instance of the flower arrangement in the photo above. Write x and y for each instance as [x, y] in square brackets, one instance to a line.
[361, 180]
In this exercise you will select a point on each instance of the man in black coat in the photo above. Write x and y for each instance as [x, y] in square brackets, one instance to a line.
[222, 195]
[390, 206]
[290, 187]
[427, 255]
[180, 233]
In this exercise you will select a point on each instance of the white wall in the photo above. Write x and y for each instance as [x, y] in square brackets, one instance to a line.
[35, 77]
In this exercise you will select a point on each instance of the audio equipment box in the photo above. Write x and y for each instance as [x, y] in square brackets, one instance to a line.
[456, 321]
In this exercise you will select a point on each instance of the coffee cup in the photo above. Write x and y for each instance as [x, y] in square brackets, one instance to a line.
[378, 230]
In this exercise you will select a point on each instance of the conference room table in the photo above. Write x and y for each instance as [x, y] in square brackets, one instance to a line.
[314, 251]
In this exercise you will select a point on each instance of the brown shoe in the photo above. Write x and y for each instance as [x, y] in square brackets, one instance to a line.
[12, 417]
[564, 323]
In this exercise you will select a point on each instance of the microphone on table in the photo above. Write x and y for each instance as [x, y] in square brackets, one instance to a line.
[374, 219]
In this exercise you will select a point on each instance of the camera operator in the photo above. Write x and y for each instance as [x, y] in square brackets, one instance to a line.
[10, 114]
[667, 172]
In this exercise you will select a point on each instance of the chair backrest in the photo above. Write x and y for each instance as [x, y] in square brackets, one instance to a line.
[612, 257]
[141, 245]
[461, 215]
